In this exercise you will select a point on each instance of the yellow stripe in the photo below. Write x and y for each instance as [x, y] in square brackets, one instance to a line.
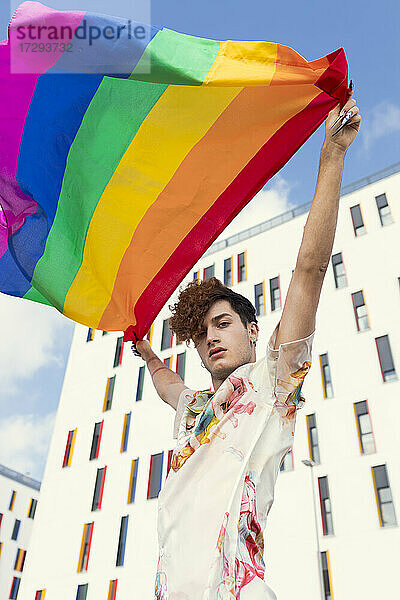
[82, 546]
[143, 172]
[245, 263]
[29, 508]
[376, 497]
[236, 62]
[322, 375]
[124, 433]
[106, 394]
[329, 574]
[309, 437]
[265, 309]
[358, 428]
[72, 448]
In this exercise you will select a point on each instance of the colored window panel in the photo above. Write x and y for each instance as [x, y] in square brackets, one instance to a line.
[326, 512]
[112, 589]
[259, 298]
[12, 500]
[85, 547]
[383, 494]
[119, 349]
[326, 376]
[81, 592]
[90, 335]
[122, 541]
[109, 393]
[360, 311]
[241, 258]
[228, 271]
[338, 271]
[97, 433]
[384, 210]
[69, 448]
[358, 223]
[196, 275]
[168, 362]
[275, 293]
[180, 365]
[385, 358]
[149, 335]
[15, 531]
[313, 438]
[125, 432]
[326, 576]
[364, 428]
[139, 388]
[132, 480]
[20, 560]
[208, 272]
[14, 588]
[40, 595]
[166, 336]
[32, 508]
[155, 474]
[169, 459]
[99, 488]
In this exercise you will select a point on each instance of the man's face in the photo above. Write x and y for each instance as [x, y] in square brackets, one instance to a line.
[222, 328]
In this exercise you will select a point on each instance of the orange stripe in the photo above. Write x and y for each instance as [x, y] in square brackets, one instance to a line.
[250, 120]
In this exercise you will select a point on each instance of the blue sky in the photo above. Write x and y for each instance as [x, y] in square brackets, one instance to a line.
[35, 339]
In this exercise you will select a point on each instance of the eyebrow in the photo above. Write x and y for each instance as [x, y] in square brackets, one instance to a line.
[215, 319]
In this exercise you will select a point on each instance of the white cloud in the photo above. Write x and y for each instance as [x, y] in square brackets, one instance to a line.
[266, 204]
[29, 334]
[382, 120]
[24, 443]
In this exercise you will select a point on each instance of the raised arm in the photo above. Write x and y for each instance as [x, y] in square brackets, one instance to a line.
[298, 315]
[168, 384]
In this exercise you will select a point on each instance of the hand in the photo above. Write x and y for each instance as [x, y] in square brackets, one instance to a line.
[142, 348]
[347, 134]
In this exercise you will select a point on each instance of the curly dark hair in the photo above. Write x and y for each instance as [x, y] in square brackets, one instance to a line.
[194, 302]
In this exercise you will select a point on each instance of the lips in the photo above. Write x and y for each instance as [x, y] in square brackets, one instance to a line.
[217, 352]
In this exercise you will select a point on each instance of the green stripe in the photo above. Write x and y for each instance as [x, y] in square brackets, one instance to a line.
[114, 116]
[176, 58]
[35, 296]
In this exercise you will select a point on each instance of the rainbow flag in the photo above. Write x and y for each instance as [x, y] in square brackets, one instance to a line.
[125, 150]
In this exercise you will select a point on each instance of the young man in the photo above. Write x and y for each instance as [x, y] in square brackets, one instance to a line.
[231, 441]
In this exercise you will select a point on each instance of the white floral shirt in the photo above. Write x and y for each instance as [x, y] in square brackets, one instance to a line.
[214, 503]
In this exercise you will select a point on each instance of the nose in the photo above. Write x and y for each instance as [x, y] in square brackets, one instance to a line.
[212, 336]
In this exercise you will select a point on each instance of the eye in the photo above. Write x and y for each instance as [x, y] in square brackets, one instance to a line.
[224, 323]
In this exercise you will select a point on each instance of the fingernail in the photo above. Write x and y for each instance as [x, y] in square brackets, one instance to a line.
[342, 112]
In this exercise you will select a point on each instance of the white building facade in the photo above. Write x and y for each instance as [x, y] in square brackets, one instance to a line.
[95, 531]
[19, 496]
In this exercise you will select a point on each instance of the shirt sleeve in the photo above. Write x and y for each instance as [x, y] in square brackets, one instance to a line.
[185, 396]
[289, 364]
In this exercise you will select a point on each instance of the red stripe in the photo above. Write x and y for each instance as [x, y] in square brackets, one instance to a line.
[99, 440]
[89, 545]
[66, 449]
[268, 161]
[150, 472]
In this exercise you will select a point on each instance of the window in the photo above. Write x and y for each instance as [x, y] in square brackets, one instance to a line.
[364, 428]
[139, 388]
[90, 335]
[180, 365]
[69, 448]
[384, 210]
[275, 293]
[119, 349]
[196, 275]
[208, 272]
[112, 589]
[168, 362]
[327, 524]
[99, 488]
[358, 223]
[242, 266]
[12, 500]
[228, 271]
[326, 575]
[326, 376]
[122, 541]
[98, 430]
[313, 446]
[31, 509]
[104, 333]
[259, 299]
[1, 518]
[149, 335]
[385, 358]
[383, 495]
[109, 393]
[125, 432]
[20, 560]
[81, 593]
[132, 480]
[287, 461]
[14, 588]
[167, 335]
[15, 531]
[169, 459]
[40, 594]
[155, 473]
[338, 271]
[85, 548]
[360, 311]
